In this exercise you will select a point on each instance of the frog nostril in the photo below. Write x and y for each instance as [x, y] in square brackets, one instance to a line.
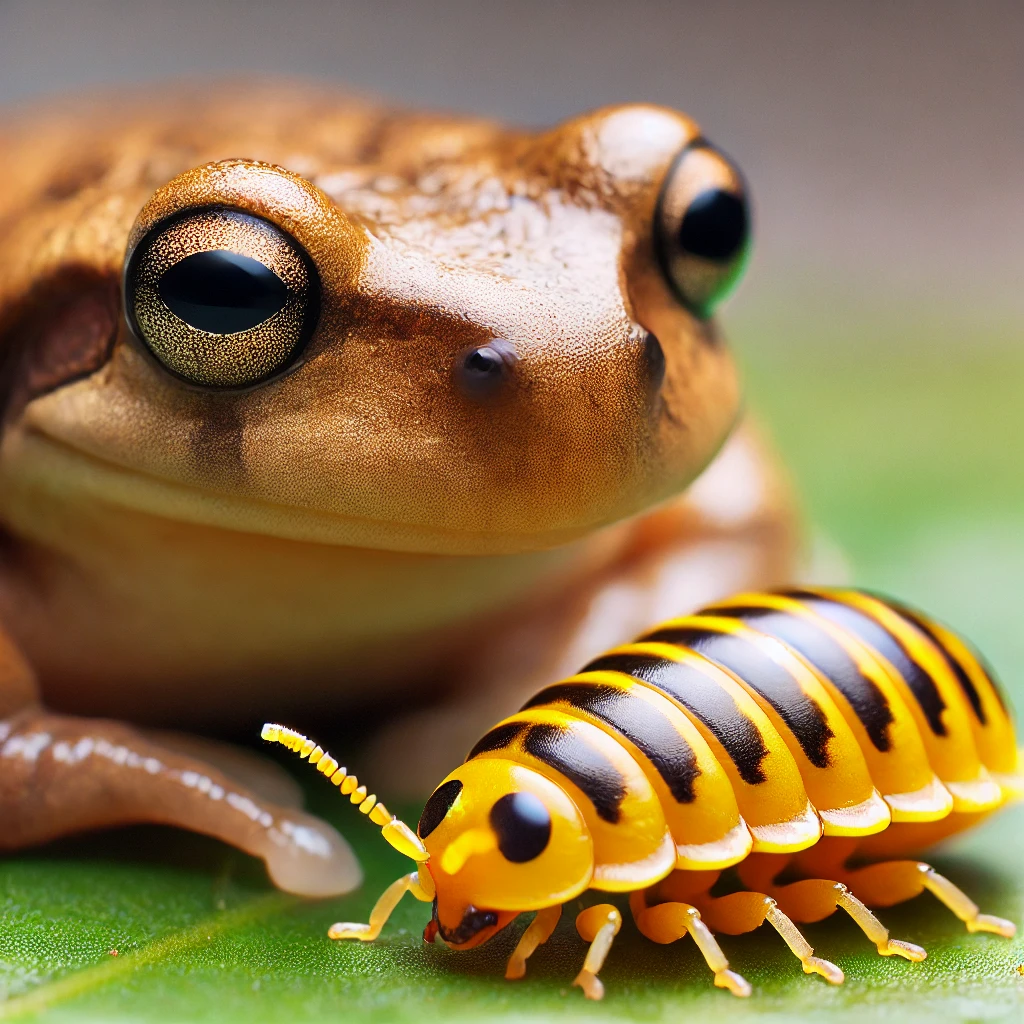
[482, 371]
[654, 362]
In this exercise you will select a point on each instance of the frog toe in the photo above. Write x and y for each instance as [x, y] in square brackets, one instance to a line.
[311, 858]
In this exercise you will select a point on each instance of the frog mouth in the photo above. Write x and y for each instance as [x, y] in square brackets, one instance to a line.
[41, 459]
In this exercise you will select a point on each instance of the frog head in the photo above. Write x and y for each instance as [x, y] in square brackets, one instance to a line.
[456, 339]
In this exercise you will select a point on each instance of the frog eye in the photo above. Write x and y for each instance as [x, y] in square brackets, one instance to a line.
[523, 826]
[702, 227]
[221, 298]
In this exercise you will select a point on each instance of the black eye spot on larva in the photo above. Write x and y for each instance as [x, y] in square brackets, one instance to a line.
[481, 372]
[523, 826]
[654, 362]
[437, 806]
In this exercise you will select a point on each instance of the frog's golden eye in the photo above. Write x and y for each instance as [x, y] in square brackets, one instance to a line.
[702, 227]
[223, 299]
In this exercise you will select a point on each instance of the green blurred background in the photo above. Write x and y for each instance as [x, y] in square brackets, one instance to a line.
[881, 328]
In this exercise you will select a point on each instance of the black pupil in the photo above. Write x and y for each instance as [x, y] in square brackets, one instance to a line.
[222, 292]
[523, 826]
[715, 226]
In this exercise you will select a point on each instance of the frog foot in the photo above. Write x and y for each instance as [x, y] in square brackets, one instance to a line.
[60, 775]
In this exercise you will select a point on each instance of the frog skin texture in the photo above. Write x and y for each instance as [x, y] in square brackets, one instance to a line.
[362, 539]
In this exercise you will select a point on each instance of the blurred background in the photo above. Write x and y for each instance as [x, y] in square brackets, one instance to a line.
[882, 319]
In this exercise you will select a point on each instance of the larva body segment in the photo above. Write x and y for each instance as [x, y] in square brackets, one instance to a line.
[869, 715]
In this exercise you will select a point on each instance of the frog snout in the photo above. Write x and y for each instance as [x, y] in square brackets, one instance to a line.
[484, 371]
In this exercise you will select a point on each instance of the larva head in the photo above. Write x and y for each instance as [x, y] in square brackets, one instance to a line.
[502, 839]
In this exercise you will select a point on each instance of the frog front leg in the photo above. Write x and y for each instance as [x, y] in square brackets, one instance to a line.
[734, 530]
[61, 774]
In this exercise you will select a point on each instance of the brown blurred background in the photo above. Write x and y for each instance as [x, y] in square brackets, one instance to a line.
[884, 141]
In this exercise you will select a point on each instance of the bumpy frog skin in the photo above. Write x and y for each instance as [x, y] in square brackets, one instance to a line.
[450, 469]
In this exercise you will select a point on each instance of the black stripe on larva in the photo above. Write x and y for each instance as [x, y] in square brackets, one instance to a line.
[437, 806]
[808, 639]
[875, 635]
[704, 699]
[498, 738]
[990, 675]
[562, 749]
[970, 691]
[640, 723]
[743, 658]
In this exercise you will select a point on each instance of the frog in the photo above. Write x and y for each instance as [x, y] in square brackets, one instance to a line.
[321, 409]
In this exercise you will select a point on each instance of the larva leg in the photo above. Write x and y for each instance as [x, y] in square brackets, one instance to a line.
[883, 885]
[759, 871]
[742, 912]
[668, 922]
[382, 910]
[814, 899]
[538, 932]
[60, 775]
[597, 925]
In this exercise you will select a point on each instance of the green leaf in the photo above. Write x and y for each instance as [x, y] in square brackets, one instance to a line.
[907, 446]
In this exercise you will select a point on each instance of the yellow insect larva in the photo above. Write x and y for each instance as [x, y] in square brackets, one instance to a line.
[797, 731]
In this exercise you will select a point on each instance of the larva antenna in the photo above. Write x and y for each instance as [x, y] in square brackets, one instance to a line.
[395, 831]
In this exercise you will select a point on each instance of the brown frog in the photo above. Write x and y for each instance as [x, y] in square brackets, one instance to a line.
[315, 408]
